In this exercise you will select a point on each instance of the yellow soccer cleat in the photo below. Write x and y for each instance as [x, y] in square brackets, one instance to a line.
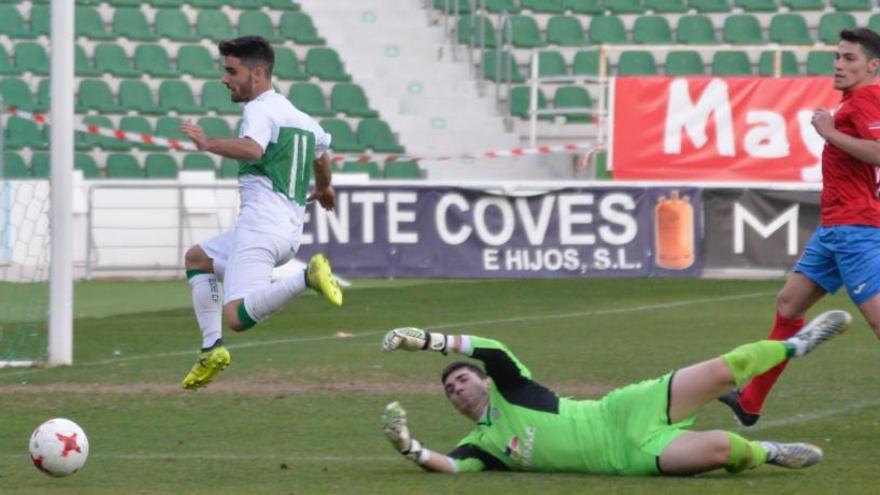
[322, 280]
[210, 363]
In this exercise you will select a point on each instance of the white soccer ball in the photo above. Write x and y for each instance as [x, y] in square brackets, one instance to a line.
[59, 447]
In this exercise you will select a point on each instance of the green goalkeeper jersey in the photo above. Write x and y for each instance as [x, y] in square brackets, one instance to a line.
[527, 426]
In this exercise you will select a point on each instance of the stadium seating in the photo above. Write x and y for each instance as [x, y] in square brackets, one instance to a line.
[309, 98]
[573, 97]
[684, 63]
[402, 170]
[14, 166]
[652, 29]
[350, 99]
[520, 102]
[731, 63]
[551, 63]
[636, 63]
[788, 67]
[123, 166]
[160, 166]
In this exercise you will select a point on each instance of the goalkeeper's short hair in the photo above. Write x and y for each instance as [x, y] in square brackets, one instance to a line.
[457, 365]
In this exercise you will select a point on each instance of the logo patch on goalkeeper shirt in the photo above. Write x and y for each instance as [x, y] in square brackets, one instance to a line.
[521, 450]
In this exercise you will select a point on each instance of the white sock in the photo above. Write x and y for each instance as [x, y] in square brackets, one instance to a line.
[771, 448]
[207, 304]
[261, 303]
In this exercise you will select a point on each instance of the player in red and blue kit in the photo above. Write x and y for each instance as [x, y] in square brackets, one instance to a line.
[845, 249]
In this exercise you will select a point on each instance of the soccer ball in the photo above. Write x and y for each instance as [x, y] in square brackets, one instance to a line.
[59, 447]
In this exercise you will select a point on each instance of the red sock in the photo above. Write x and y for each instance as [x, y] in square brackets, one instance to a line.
[752, 396]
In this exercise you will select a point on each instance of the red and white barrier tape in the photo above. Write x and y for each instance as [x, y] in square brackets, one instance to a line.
[134, 137]
[586, 148]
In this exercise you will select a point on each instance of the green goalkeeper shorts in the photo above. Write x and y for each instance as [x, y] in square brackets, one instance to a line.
[638, 416]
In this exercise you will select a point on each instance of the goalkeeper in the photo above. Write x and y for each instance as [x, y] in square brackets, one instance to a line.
[641, 429]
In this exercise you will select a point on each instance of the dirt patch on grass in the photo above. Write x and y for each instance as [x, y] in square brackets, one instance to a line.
[583, 390]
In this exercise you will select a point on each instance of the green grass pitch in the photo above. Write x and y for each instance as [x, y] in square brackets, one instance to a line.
[298, 410]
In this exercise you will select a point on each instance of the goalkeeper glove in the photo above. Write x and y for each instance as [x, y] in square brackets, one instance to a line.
[394, 425]
[413, 339]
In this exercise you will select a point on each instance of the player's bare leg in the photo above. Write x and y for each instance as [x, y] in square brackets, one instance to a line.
[871, 311]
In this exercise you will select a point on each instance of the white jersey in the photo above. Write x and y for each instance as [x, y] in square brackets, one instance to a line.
[273, 189]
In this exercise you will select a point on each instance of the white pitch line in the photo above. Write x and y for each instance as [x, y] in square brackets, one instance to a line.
[461, 324]
[811, 416]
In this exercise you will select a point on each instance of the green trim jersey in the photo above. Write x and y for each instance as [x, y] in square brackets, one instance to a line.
[274, 188]
[528, 427]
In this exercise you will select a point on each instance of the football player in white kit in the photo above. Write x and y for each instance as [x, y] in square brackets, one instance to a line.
[277, 148]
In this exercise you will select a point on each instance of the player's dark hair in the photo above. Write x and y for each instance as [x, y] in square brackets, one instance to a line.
[253, 51]
[864, 37]
[457, 365]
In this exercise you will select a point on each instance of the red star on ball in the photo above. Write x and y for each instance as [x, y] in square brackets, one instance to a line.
[69, 444]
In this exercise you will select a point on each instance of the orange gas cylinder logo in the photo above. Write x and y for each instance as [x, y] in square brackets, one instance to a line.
[674, 232]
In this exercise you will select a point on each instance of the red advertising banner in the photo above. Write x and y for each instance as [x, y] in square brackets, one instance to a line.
[718, 129]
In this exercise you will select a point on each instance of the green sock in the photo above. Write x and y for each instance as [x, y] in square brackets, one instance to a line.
[744, 454]
[750, 360]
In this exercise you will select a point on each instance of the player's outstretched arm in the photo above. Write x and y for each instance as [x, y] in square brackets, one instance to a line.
[235, 148]
[397, 432]
[416, 339]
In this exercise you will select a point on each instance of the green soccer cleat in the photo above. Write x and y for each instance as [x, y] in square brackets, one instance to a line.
[793, 455]
[322, 280]
[210, 363]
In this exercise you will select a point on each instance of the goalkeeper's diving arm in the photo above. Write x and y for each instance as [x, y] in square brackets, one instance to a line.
[397, 431]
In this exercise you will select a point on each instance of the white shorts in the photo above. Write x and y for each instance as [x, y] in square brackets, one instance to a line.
[244, 259]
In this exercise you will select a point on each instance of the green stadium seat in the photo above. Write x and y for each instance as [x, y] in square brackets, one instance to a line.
[789, 66]
[85, 163]
[299, 27]
[731, 63]
[589, 7]
[215, 127]
[804, 4]
[16, 93]
[565, 30]
[498, 6]
[544, 6]
[173, 25]
[636, 63]
[551, 63]
[789, 29]
[324, 63]
[130, 22]
[160, 166]
[526, 33]
[344, 139]
[136, 95]
[841, 5]
[568, 97]
[469, 30]
[206, 4]
[402, 170]
[245, 4]
[139, 125]
[95, 94]
[607, 29]
[153, 60]
[742, 29]
[228, 169]
[281, 4]
[88, 23]
[24, 133]
[350, 99]
[624, 6]
[287, 65]
[177, 96]
[40, 23]
[309, 98]
[371, 168]
[31, 57]
[82, 65]
[758, 5]
[7, 68]
[376, 135]
[104, 142]
[520, 102]
[12, 23]
[40, 165]
[652, 29]
[491, 67]
[111, 59]
[873, 24]
[832, 23]
[123, 166]
[709, 6]
[169, 128]
[214, 25]
[14, 166]
[196, 61]
[215, 97]
[695, 29]
[586, 63]
[666, 6]
[124, 3]
[820, 63]
[161, 4]
[198, 161]
[41, 104]
[256, 23]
